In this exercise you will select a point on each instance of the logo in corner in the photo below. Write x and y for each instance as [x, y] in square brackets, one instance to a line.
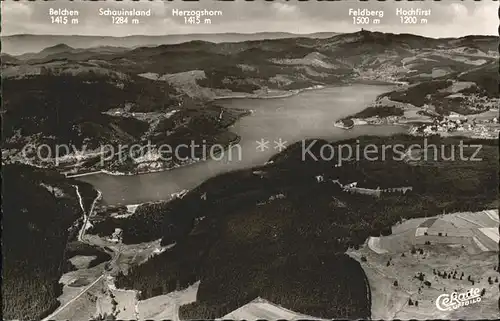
[455, 300]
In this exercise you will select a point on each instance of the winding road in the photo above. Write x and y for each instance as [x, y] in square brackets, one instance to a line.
[81, 234]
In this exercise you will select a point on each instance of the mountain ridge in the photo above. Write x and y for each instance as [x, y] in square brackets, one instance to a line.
[11, 43]
[34, 42]
[202, 71]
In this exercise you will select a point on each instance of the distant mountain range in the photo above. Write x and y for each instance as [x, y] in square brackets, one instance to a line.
[90, 96]
[241, 241]
[62, 51]
[27, 43]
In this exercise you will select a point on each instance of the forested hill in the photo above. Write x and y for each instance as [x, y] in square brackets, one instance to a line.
[280, 231]
[104, 95]
[41, 213]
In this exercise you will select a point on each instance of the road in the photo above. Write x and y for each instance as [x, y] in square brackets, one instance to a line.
[81, 234]
[86, 217]
[51, 317]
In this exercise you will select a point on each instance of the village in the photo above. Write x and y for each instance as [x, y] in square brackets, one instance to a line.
[456, 124]
[482, 126]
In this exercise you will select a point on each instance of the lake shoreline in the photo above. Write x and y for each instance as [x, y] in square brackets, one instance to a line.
[148, 171]
[290, 93]
[286, 94]
[308, 115]
[279, 94]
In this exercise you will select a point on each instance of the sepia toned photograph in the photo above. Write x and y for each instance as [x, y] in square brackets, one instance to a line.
[250, 160]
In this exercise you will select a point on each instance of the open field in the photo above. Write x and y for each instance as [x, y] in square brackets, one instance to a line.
[259, 309]
[82, 261]
[90, 291]
[466, 228]
[128, 254]
[441, 248]
[238, 244]
[166, 307]
[78, 303]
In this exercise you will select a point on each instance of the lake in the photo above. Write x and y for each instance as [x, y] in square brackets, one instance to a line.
[310, 114]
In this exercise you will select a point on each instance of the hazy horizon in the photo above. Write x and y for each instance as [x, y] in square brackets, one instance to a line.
[239, 33]
[448, 19]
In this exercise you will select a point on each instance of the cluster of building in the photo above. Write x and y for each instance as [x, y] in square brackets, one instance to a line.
[376, 120]
[376, 192]
[459, 124]
[385, 72]
[116, 237]
[476, 102]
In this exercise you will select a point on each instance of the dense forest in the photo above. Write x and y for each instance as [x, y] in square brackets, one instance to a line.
[419, 94]
[278, 231]
[241, 241]
[383, 111]
[144, 225]
[39, 210]
[485, 78]
[70, 108]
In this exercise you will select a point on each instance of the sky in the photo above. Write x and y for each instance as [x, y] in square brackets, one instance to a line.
[448, 18]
